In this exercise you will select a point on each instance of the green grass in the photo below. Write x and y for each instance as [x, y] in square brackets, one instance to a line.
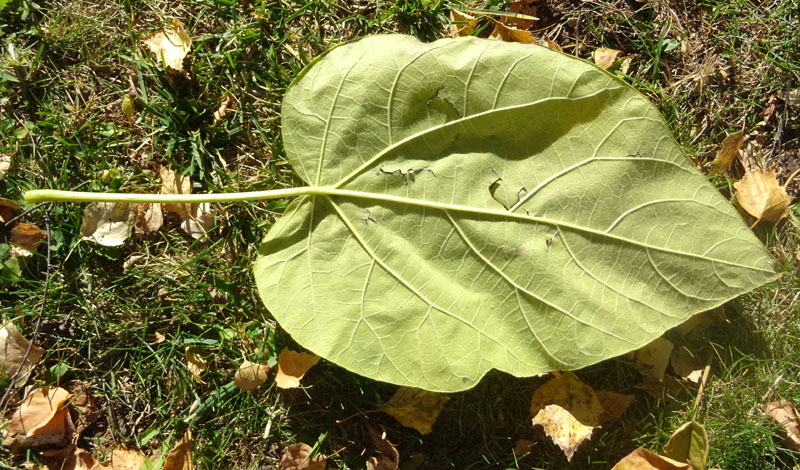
[63, 123]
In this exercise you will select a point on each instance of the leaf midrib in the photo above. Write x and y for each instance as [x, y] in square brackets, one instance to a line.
[332, 191]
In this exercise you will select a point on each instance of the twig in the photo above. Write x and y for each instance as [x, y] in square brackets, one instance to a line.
[702, 387]
[4, 400]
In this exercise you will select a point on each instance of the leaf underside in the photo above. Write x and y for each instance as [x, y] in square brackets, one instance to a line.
[488, 205]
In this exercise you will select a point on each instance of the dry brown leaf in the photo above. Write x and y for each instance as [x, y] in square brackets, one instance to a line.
[250, 375]
[123, 459]
[107, 223]
[466, 24]
[643, 459]
[70, 457]
[174, 184]
[296, 457]
[194, 363]
[686, 365]
[8, 209]
[27, 238]
[523, 7]
[728, 151]
[12, 351]
[147, 218]
[704, 320]
[561, 426]
[41, 419]
[523, 446]
[654, 358]
[502, 32]
[415, 408]
[388, 458]
[170, 44]
[785, 414]
[5, 164]
[568, 409]
[83, 409]
[292, 366]
[760, 195]
[180, 456]
[604, 57]
[614, 404]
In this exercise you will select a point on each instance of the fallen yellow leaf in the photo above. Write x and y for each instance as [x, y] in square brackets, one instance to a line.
[415, 408]
[123, 459]
[526, 9]
[170, 45]
[568, 409]
[461, 24]
[760, 195]
[13, 347]
[174, 184]
[250, 375]
[604, 57]
[654, 357]
[297, 457]
[194, 363]
[785, 414]
[561, 426]
[727, 153]
[502, 32]
[292, 366]
[180, 456]
[686, 366]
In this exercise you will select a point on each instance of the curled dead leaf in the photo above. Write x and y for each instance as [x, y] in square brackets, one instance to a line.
[25, 239]
[106, 223]
[689, 443]
[147, 218]
[728, 151]
[170, 45]
[222, 111]
[292, 366]
[461, 24]
[415, 408]
[42, 419]
[13, 347]
[8, 209]
[298, 457]
[250, 375]
[761, 196]
[199, 221]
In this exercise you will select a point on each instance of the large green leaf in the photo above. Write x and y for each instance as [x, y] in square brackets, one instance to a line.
[483, 205]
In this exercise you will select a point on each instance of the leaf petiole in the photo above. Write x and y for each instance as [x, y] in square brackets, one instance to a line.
[48, 195]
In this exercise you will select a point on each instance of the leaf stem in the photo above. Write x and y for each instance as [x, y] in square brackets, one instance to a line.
[44, 195]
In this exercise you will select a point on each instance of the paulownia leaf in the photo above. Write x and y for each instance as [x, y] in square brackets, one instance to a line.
[481, 205]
